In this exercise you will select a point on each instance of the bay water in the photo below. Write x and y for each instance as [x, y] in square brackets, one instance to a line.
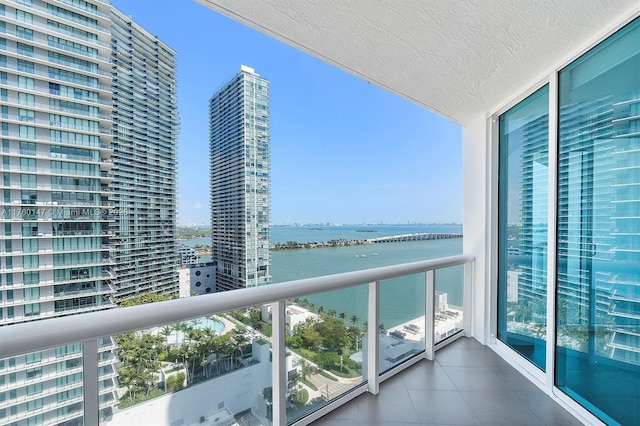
[401, 299]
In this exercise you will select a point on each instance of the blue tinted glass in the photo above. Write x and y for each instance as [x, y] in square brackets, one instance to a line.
[598, 294]
[523, 224]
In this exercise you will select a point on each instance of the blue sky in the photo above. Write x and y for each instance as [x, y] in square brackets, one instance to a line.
[342, 150]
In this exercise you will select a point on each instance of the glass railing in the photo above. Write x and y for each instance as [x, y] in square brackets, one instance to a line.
[280, 354]
[402, 324]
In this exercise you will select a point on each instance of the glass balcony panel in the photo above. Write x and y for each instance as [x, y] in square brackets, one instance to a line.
[324, 348]
[402, 320]
[448, 302]
[191, 372]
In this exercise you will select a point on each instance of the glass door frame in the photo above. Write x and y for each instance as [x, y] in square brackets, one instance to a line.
[545, 380]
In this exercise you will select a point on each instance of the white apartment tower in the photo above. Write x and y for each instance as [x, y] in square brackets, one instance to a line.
[56, 102]
[86, 97]
[239, 150]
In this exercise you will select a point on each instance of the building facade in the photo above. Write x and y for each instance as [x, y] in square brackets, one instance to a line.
[85, 96]
[239, 150]
[145, 132]
[56, 160]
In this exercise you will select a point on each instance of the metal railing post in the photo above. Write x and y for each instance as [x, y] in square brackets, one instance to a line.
[279, 363]
[467, 298]
[429, 314]
[90, 381]
[373, 340]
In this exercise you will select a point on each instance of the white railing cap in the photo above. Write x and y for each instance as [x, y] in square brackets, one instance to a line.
[35, 336]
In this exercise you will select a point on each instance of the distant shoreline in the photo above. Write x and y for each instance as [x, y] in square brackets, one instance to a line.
[294, 245]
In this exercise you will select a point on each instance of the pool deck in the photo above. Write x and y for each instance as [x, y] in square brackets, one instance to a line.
[228, 325]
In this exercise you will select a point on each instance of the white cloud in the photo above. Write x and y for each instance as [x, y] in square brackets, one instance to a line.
[196, 206]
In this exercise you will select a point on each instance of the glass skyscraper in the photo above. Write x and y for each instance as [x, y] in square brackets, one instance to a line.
[145, 129]
[86, 96]
[239, 138]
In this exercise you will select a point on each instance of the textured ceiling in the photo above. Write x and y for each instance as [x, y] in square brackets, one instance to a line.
[458, 58]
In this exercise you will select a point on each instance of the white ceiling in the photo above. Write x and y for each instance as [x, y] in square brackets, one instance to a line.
[459, 58]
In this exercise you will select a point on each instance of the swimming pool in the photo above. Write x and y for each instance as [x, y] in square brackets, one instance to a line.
[177, 336]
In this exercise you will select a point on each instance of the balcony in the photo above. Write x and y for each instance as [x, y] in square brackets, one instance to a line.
[408, 383]
[467, 384]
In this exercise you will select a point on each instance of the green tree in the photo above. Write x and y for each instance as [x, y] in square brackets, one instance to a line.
[305, 368]
[327, 360]
[354, 319]
[144, 298]
[332, 332]
[311, 338]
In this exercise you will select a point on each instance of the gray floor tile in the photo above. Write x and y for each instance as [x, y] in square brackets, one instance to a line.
[475, 379]
[549, 412]
[428, 379]
[502, 408]
[468, 384]
[438, 407]
[513, 379]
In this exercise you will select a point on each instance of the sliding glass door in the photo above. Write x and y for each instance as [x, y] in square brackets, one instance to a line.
[523, 226]
[598, 277]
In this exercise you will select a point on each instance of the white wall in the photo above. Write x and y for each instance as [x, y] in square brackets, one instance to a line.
[475, 166]
[184, 279]
[237, 391]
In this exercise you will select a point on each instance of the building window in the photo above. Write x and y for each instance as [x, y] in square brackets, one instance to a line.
[31, 294]
[24, 49]
[24, 33]
[28, 181]
[26, 115]
[33, 357]
[34, 404]
[23, 16]
[32, 373]
[26, 66]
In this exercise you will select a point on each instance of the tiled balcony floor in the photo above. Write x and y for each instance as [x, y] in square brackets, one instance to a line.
[467, 384]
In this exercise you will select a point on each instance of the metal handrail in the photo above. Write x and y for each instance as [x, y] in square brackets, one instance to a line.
[40, 335]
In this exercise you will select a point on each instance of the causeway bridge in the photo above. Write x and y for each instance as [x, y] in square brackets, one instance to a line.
[414, 237]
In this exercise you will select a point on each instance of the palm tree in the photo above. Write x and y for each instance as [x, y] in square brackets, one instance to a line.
[332, 312]
[354, 319]
[342, 316]
[305, 367]
[166, 331]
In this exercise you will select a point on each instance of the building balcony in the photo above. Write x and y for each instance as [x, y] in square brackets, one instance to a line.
[467, 384]
[419, 371]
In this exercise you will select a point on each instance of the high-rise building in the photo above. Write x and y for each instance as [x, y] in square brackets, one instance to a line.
[86, 96]
[145, 129]
[56, 102]
[239, 138]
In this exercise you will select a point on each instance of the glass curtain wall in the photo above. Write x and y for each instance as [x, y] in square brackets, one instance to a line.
[523, 226]
[598, 277]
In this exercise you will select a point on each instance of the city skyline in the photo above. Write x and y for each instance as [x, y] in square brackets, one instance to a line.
[318, 176]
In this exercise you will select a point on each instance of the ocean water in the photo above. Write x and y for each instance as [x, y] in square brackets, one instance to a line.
[401, 299]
